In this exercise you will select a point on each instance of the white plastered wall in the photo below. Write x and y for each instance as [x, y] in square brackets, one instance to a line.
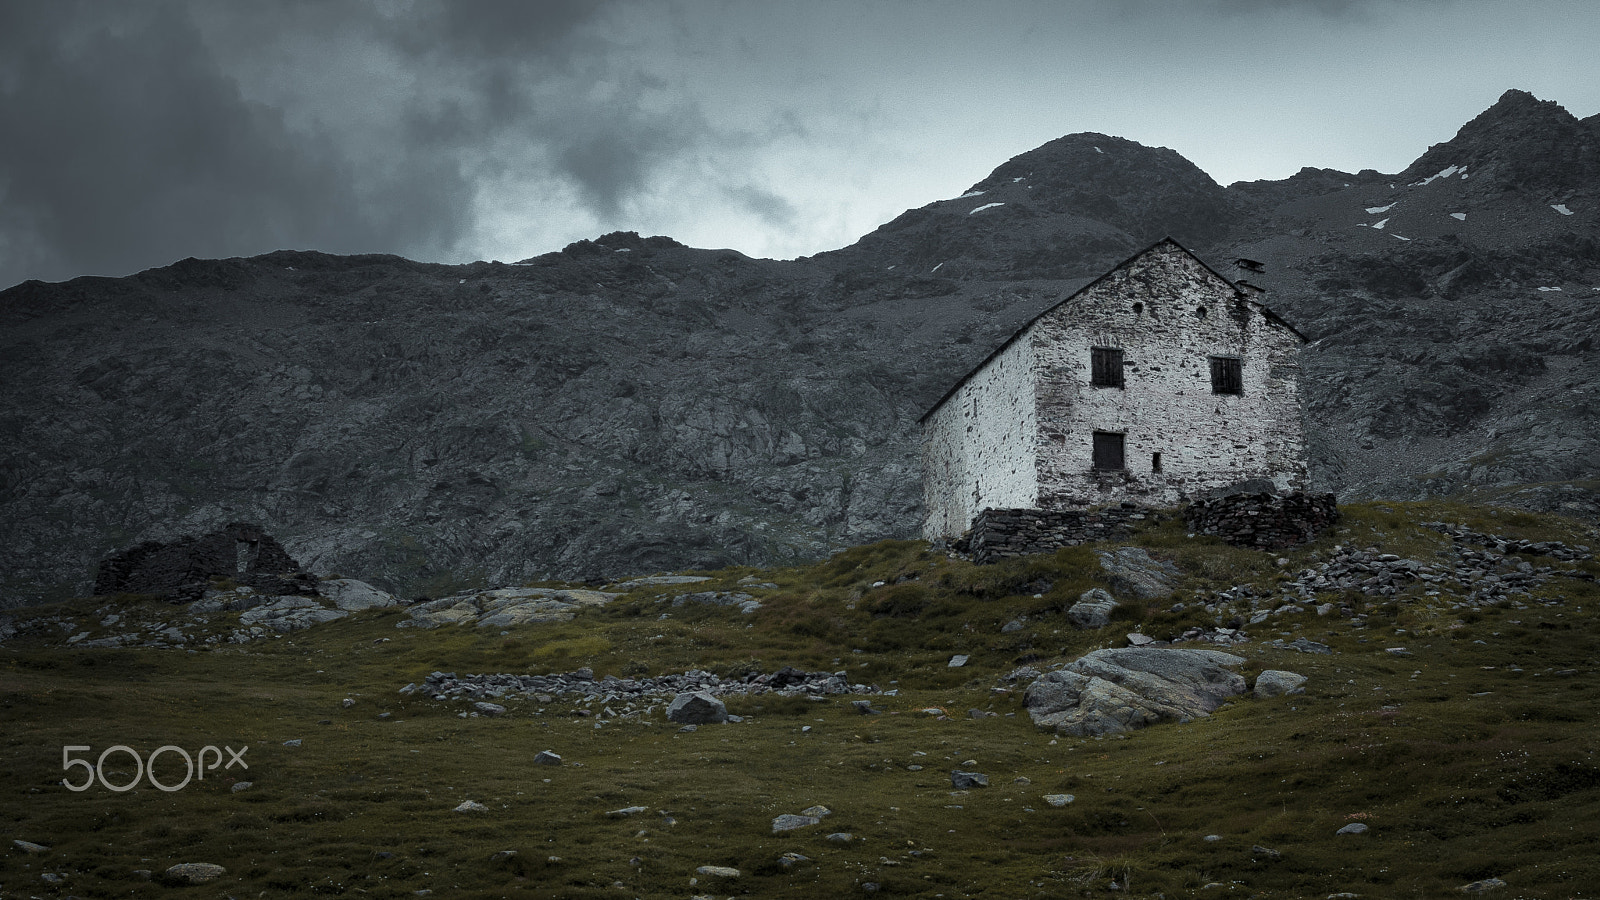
[978, 445]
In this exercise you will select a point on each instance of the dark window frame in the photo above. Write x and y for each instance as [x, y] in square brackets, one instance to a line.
[1227, 375]
[1110, 451]
[1105, 367]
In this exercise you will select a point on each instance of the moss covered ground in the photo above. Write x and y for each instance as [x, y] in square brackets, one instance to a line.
[1471, 758]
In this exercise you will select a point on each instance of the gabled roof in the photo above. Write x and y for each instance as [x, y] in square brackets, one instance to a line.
[1269, 314]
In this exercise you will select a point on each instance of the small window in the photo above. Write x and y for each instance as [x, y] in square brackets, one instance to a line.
[1155, 462]
[1138, 309]
[1226, 375]
[1106, 367]
[1200, 312]
[1108, 451]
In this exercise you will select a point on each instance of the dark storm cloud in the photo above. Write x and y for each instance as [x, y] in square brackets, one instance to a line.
[139, 134]
[125, 145]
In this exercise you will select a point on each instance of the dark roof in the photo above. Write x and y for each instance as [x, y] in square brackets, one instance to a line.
[1269, 314]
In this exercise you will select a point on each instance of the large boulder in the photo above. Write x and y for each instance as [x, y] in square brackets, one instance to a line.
[1109, 691]
[697, 708]
[1093, 609]
[1135, 573]
[351, 595]
[1276, 682]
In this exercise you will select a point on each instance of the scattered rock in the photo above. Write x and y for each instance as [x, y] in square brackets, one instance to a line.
[962, 781]
[241, 786]
[29, 846]
[789, 822]
[489, 709]
[546, 758]
[192, 873]
[697, 708]
[1059, 800]
[1478, 887]
[957, 661]
[1275, 683]
[292, 743]
[1353, 828]
[718, 871]
[1093, 609]
[841, 837]
[627, 811]
[471, 806]
[791, 859]
[865, 707]
[1260, 852]
[818, 811]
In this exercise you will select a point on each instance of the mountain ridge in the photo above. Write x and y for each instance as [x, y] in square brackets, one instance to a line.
[630, 404]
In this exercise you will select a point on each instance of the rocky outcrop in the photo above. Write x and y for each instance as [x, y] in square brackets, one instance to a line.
[1134, 573]
[504, 607]
[1109, 691]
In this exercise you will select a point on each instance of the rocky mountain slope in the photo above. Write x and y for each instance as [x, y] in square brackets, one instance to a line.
[630, 404]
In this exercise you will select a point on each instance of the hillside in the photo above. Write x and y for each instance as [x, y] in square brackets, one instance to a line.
[630, 404]
[1447, 652]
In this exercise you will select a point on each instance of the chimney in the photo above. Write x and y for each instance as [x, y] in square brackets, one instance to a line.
[1243, 268]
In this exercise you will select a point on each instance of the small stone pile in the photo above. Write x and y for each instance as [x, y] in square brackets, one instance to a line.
[1463, 534]
[1004, 533]
[612, 690]
[1264, 521]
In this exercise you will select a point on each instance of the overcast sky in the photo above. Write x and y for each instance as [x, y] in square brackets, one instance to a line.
[134, 134]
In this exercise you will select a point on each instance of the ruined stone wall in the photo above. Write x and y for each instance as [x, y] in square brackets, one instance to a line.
[1263, 521]
[1003, 533]
[977, 447]
[179, 570]
[1168, 314]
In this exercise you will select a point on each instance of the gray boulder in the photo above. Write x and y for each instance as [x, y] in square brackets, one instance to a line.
[351, 595]
[1134, 573]
[193, 873]
[1115, 690]
[697, 708]
[1276, 683]
[291, 613]
[1093, 609]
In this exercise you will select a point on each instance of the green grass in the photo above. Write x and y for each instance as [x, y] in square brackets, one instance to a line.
[1468, 760]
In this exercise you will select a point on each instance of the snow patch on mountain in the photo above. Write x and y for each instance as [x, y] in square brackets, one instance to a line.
[985, 206]
[1444, 173]
[1561, 208]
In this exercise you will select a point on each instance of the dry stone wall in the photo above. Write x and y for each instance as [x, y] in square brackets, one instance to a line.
[1264, 521]
[180, 570]
[1004, 533]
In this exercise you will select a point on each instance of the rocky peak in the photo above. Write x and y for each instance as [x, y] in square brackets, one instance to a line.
[1519, 143]
[1148, 192]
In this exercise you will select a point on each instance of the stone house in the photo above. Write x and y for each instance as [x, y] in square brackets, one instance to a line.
[1158, 381]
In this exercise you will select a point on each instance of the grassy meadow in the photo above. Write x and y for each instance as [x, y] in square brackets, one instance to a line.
[1472, 758]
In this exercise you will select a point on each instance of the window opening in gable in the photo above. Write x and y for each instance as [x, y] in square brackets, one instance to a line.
[1105, 367]
[1108, 451]
[1227, 376]
[1155, 462]
[1201, 312]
